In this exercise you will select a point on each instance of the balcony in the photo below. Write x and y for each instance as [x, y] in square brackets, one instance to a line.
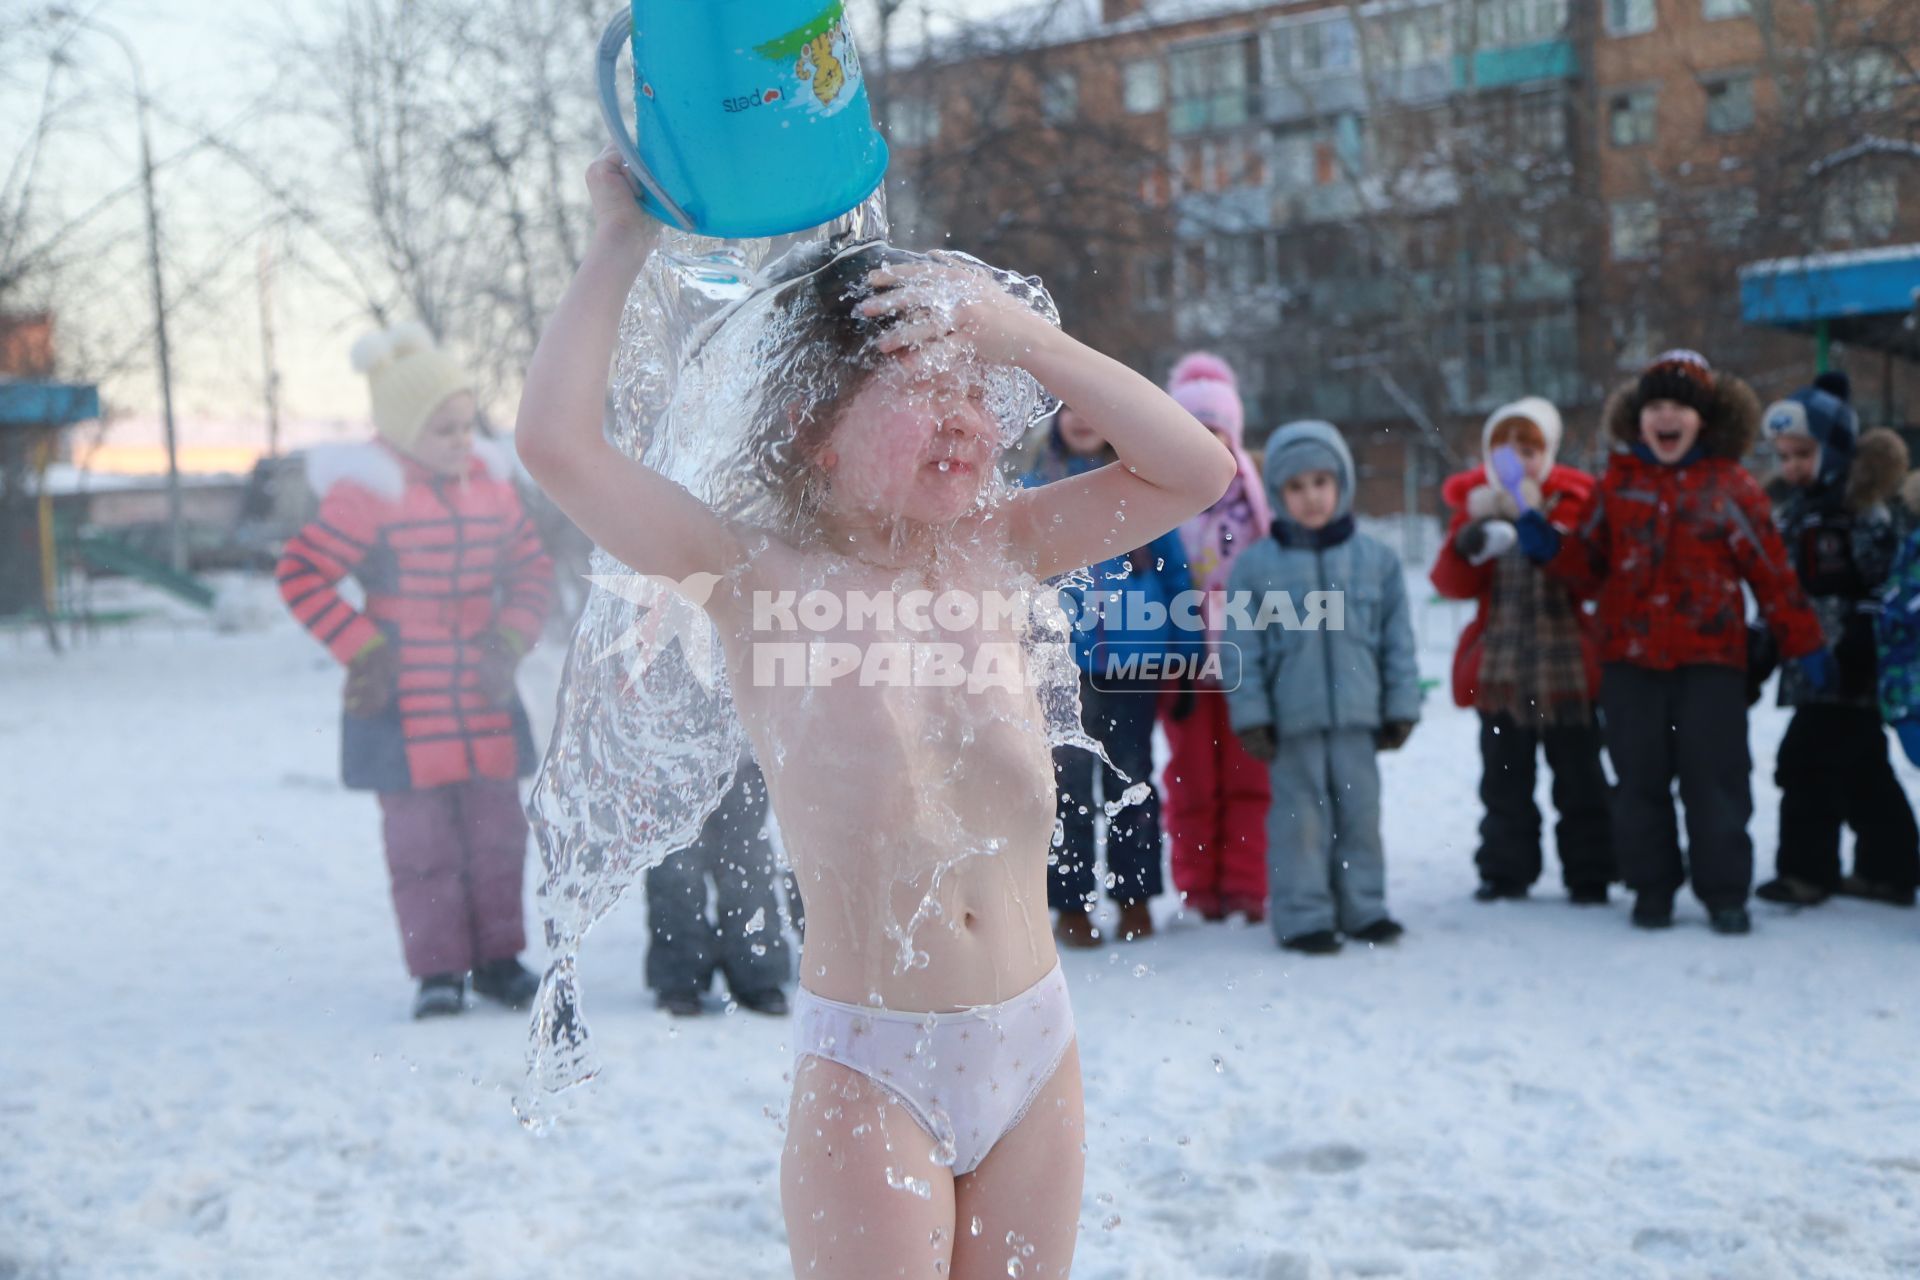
[1515, 64]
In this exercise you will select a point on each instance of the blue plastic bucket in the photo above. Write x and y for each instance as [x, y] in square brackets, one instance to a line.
[752, 115]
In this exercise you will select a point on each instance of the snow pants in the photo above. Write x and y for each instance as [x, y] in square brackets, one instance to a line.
[745, 940]
[457, 856]
[1120, 717]
[1510, 830]
[1324, 857]
[1217, 800]
[1689, 723]
[1833, 770]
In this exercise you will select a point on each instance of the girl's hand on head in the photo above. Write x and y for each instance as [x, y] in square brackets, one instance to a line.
[616, 201]
[933, 304]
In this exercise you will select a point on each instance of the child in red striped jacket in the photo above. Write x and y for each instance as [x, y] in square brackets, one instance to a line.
[457, 587]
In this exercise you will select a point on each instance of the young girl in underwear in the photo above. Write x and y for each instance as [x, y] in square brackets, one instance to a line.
[936, 1122]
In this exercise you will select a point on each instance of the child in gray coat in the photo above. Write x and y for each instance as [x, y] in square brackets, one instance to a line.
[1327, 679]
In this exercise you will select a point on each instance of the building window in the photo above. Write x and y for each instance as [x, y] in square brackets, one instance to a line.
[1142, 88]
[1629, 17]
[1631, 118]
[1862, 80]
[1726, 8]
[1060, 96]
[1152, 283]
[1730, 104]
[1411, 37]
[1191, 279]
[1511, 22]
[914, 121]
[1209, 85]
[1859, 211]
[1540, 125]
[1305, 50]
[1728, 215]
[1634, 228]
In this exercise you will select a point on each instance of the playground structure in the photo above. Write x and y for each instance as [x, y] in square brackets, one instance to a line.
[41, 553]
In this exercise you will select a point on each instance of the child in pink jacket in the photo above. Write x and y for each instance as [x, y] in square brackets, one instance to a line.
[1217, 794]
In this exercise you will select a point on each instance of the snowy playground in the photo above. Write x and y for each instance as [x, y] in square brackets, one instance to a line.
[211, 1072]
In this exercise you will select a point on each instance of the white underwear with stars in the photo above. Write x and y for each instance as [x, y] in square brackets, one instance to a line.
[966, 1077]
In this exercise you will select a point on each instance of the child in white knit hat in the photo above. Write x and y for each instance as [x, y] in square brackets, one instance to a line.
[1527, 662]
[457, 587]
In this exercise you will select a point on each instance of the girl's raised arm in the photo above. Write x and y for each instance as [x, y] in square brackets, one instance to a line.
[645, 520]
[1170, 467]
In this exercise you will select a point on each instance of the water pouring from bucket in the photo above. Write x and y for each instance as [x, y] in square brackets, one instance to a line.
[751, 116]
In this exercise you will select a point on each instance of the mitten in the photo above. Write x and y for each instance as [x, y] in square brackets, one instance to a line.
[1259, 742]
[1485, 540]
[1818, 669]
[1539, 541]
[500, 654]
[1393, 735]
[373, 677]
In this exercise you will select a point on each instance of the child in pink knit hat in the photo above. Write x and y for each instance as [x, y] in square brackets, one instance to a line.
[1217, 794]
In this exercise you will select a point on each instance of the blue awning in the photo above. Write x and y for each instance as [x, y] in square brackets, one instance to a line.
[1866, 297]
[47, 404]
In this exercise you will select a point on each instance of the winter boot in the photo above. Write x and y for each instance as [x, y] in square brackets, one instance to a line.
[1207, 906]
[1320, 942]
[1877, 891]
[1588, 895]
[1731, 921]
[1793, 892]
[1136, 922]
[1381, 932]
[1499, 891]
[506, 982]
[1255, 909]
[1075, 930]
[1653, 910]
[440, 995]
[681, 1004]
[771, 1001]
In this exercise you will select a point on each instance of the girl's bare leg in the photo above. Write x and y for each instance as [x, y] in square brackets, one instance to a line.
[1027, 1187]
[849, 1144]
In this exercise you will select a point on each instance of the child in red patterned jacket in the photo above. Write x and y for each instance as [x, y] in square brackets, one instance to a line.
[457, 587]
[1677, 526]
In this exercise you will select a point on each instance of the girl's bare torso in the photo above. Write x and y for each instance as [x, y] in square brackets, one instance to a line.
[917, 816]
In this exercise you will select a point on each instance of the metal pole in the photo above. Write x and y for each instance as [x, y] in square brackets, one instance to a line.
[176, 529]
[266, 351]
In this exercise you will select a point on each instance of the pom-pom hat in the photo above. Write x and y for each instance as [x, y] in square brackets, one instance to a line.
[409, 377]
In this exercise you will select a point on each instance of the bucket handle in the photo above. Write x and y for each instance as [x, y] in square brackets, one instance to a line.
[616, 37]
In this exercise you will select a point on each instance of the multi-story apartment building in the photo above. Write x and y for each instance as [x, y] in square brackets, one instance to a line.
[1398, 214]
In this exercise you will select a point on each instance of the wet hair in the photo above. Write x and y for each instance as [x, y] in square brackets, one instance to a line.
[827, 352]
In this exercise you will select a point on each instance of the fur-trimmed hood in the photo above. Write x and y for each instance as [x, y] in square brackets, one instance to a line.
[1728, 427]
[1880, 464]
[379, 468]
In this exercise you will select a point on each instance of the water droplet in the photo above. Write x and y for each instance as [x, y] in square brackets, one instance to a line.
[1015, 1267]
[756, 923]
[1141, 971]
[1219, 1065]
[975, 1228]
[1111, 1223]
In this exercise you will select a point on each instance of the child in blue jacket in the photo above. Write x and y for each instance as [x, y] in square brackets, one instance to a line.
[1117, 706]
[1316, 700]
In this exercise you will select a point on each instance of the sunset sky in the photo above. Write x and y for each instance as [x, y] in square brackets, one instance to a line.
[205, 61]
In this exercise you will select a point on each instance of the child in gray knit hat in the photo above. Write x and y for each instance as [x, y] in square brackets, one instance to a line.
[1328, 678]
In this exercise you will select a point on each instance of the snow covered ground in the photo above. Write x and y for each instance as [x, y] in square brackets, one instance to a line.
[207, 1069]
